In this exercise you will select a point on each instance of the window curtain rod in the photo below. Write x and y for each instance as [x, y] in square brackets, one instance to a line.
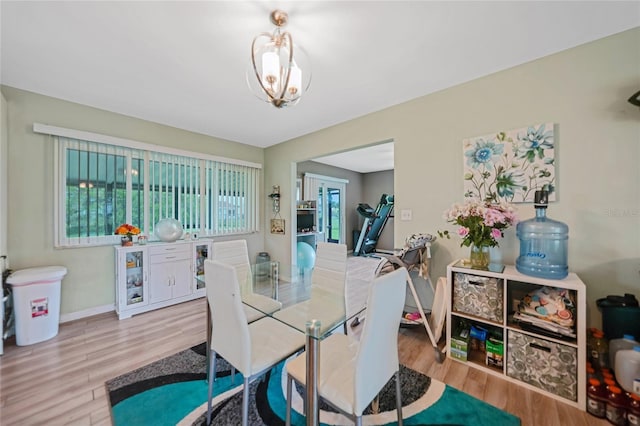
[113, 140]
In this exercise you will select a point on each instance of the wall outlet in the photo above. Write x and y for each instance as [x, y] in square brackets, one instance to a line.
[405, 214]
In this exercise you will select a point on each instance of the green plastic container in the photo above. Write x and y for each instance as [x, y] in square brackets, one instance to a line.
[616, 322]
[620, 316]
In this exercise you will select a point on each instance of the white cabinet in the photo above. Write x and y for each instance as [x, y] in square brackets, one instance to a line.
[158, 275]
[169, 271]
[310, 238]
[530, 331]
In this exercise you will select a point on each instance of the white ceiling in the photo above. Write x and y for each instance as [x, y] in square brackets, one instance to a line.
[364, 160]
[183, 64]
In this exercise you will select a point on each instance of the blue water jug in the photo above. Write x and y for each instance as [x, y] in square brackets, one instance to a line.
[543, 243]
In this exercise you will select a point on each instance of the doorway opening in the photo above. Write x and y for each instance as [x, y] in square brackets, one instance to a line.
[329, 195]
[367, 172]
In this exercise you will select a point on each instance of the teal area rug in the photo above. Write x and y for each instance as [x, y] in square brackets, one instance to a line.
[173, 391]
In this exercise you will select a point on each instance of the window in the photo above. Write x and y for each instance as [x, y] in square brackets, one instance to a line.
[96, 199]
[102, 185]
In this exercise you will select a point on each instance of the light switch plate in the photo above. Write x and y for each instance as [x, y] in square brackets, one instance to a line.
[405, 214]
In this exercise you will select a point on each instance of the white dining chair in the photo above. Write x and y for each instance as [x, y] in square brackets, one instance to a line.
[330, 272]
[352, 374]
[236, 254]
[253, 348]
[330, 269]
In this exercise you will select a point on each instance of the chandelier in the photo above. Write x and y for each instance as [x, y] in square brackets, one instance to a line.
[278, 75]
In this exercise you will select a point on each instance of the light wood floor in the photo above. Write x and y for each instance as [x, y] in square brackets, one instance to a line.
[61, 381]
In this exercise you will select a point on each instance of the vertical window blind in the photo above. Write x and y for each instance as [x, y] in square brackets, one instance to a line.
[232, 193]
[174, 189]
[96, 192]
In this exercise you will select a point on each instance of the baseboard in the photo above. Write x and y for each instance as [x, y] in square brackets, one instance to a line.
[87, 313]
[387, 251]
[375, 253]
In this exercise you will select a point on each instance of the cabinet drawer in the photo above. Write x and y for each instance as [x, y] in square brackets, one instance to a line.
[166, 253]
[169, 248]
[547, 365]
[479, 296]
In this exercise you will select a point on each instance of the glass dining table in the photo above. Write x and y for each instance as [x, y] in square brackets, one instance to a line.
[310, 308]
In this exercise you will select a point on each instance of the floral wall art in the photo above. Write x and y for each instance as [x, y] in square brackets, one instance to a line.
[509, 166]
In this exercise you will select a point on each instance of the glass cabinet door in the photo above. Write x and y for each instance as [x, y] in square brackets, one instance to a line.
[134, 276]
[201, 253]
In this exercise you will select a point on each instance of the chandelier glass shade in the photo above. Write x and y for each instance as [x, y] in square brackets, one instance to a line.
[280, 71]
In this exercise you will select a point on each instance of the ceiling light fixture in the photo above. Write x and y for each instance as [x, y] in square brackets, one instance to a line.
[278, 76]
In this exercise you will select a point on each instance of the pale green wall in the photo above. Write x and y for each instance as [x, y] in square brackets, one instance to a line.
[373, 186]
[90, 280]
[583, 90]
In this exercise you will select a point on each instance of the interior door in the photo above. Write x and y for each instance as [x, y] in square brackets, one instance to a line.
[334, 216]
[321, 222]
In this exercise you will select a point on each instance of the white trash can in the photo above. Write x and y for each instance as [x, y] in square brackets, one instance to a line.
[36, 303]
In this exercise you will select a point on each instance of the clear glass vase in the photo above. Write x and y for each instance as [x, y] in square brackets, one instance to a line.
[479, 257]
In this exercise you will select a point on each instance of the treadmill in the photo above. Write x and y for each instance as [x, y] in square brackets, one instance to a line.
[373, 225]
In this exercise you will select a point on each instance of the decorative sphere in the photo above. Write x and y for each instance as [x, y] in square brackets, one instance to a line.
[306, 255]
[168, 230]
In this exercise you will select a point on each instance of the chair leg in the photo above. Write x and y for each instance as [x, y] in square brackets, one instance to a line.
[304, 403]
[245, 402]
[289, 395]
[398, 398]
[208, 355]
[212, 366]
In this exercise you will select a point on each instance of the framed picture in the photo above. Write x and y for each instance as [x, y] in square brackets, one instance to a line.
[510, 165]
[277, 226]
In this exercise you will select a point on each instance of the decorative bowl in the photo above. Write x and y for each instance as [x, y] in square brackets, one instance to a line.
[168, 230]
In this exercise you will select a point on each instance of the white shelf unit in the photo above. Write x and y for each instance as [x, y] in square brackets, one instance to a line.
[157, 275]
[306, 223]
[560, 361]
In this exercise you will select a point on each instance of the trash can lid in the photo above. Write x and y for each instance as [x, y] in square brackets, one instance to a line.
[36, 275]
[617, 301]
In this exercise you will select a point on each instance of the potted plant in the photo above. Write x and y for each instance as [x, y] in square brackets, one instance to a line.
[127, 232]
[480, 225]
